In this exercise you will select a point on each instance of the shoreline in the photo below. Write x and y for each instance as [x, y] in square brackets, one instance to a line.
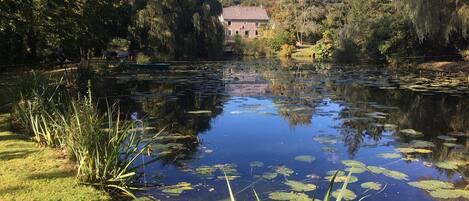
[446, 66]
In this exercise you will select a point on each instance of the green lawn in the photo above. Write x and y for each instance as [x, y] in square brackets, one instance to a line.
[31, 173]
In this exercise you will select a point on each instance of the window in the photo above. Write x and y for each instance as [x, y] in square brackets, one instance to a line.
[257, 24]
[237, 32]
[257, 33]
[229, 33]
[246, 33]
[229, 23]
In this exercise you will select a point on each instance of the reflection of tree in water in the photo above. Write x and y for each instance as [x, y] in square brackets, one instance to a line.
[296, 93]
[169, 110]
[163, 99]
[431, 114]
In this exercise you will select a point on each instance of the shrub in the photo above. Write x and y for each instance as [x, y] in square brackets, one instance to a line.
[142, 59]
[286, 50]
[279, 38]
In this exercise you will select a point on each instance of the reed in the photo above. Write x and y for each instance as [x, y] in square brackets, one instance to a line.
[103, 145]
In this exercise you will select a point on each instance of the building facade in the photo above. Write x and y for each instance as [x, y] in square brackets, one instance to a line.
[243, 21]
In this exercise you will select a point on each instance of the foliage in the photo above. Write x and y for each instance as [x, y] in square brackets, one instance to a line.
[178, 29]
[323, 48]
[142, 59]
[278, 37]
[286, 50]
[102, 145]
[251, 47]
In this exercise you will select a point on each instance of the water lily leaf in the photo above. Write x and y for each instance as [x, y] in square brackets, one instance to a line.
[329, 149]
[346, 194]
[340, 179]
[284, 171]
[269, 175]
[205, 170]
[326, 139]
[405, 150]
[289, 196]
[448, 144]
[431, 184]
[450, 165]
[257, 164]
[177, 188]
[305, 158]
[230, 178]
[446, 138]
[353, 163]
[356, 169]
[423, 151]
[199, 112]
[449, 193]
[457, 134]
[300, 186]
[389, 155]
[332, 172]
[421, 144]
[389, 173]
[371, 185]
[411, 133]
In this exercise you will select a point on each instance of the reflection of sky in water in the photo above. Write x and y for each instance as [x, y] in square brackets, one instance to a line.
[250, 130]
[273, 115]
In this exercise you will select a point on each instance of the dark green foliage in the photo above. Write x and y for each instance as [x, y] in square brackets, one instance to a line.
[179, 29]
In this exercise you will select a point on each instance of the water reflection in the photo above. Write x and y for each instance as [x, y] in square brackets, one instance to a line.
[236, 112]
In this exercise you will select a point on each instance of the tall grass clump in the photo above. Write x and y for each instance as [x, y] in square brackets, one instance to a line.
[102, 144]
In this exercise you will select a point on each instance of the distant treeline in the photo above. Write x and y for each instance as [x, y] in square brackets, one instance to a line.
[35, 31]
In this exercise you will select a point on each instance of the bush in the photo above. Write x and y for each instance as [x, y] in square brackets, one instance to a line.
[142, 59]
[323, 49]
[279, 38]
[251, 47]
[286, 50]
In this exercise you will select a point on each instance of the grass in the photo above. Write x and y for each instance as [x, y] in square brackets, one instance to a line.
[31, 173]
[304, 51]
[101, 145]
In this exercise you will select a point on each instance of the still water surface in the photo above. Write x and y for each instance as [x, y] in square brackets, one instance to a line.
[266, 123]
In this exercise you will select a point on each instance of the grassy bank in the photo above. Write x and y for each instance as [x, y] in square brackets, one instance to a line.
[31, 173]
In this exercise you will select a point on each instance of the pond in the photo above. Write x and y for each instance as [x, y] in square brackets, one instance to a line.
[279, 128]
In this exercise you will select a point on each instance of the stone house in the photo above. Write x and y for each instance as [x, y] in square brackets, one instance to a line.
[243, 21]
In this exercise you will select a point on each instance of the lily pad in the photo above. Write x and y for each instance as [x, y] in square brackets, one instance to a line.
[457, 134]
[332, 172]
[205, 170]
[346, 194]
[353, 163]
[421, 144]
[199, 112]
[178, 188]
[449, 193]
[371, 185]
[446, 138]
[300, 186]
[329, 149]
[389, 155]
[431, 184]
[305, 158]
[389, 173]
[340, 179]
[269, 175]
[411, 133]
[356, 169]
[257, 164]
[450, 164]
[284, 171]
[289, 196]
[448, 144]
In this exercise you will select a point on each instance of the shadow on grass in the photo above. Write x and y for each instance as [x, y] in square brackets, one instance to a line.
[10, 155]
[51, 175]
[13, 137]
[11, 189]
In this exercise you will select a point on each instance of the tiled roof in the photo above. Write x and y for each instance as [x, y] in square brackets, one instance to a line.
[244, 13]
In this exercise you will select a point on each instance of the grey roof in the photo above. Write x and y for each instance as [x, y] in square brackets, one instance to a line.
[244, 13]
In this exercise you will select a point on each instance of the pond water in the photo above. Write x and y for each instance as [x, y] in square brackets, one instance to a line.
[270, 125]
